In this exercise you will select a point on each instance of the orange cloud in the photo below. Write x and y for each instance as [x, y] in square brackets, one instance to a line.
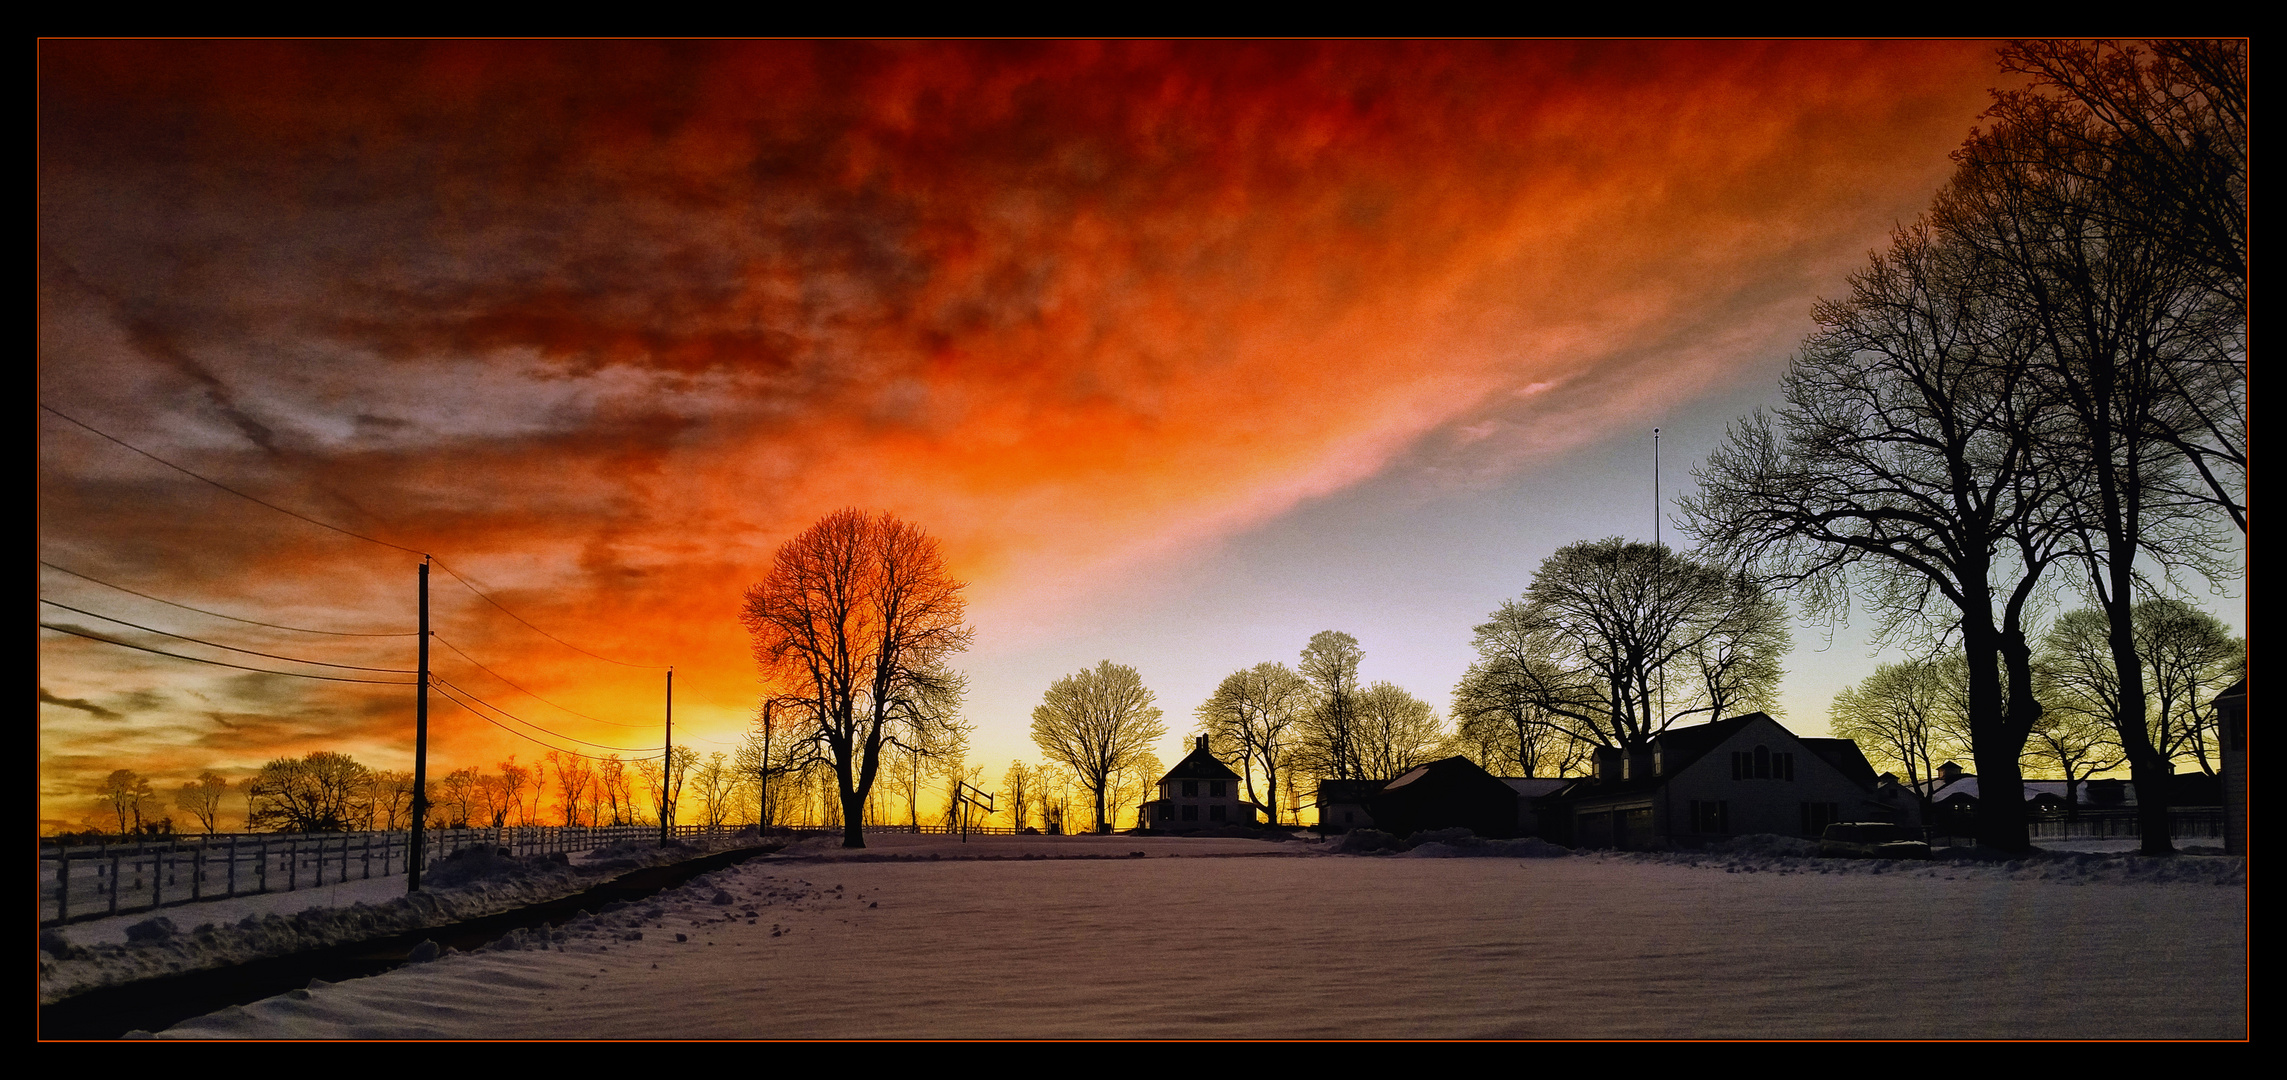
[602, 323]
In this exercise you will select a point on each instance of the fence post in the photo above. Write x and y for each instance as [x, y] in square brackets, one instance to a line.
[63, 884]
[230, 888]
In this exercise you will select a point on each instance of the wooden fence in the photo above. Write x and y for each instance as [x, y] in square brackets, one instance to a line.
[100, 880]
[2184, 823]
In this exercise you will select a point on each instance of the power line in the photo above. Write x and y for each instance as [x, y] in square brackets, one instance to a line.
[219, 645]
[471, 586]
[218, 663]
[447, 695]
[217, 614]
[527, 693]
[226, 487]
[436, 680]
[457, 575]
[454, 693]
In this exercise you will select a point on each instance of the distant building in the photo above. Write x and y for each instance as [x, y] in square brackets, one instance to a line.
[1449, 794]
[1342, 805]
[1200, 792]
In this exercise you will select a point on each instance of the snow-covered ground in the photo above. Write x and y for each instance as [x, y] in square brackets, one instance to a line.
[1014, 937]
[215, 933]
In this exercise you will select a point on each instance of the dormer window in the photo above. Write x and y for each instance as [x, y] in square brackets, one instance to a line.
[1761, 764]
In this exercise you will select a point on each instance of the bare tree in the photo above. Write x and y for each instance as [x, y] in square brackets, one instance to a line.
[1905, 473]
[1620, 640]
[2132, 336]
[1330, 663]
[2191, 658]
[127, 792]
[2078, 745]
[2163, 124]
[1017, 785]
[718, 782]
[1254, 717]
[1132, 783]
[320, 792]
[1394, 731]
[389, 798]
[1499, 718]
[666, 781]
[853, 628]
[1053, 782]
[202, 799]
[1903, 717]
[1097, 723]
[507, 795]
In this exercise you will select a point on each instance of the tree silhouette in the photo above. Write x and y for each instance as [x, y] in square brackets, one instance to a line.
[1330, 663]
[852, 630]
[2097, 202]
[1254, 716]
[1906, 473]
[1098, 722]
[1618, 640]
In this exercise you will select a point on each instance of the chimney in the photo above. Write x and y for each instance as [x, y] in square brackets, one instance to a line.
[1202, 748]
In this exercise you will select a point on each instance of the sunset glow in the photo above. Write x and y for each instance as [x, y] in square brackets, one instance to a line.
[1183, 350]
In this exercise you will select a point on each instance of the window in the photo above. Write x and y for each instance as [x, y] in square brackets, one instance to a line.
[1190, 812]
[1215, 812]
[1166, 812]
[1710, 817]
[1191, 789]
[1215, 789]
[1762, 764]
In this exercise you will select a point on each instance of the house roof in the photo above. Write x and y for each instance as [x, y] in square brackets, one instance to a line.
[1199, 764]
[1966, 787]
[1347, 791]
[1533, 787]
[1680, 748]
[1846, 758]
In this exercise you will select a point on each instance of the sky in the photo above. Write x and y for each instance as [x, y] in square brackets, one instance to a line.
[1184, 351]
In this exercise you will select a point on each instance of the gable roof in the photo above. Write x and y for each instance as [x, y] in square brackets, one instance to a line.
[1533, 787]
[1681, 748]
[1200, 765]
[1846, 758]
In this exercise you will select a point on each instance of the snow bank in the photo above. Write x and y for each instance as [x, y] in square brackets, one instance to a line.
[471, 883]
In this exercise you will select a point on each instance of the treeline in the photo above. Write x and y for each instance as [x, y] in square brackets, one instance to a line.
[1911, 717]
[328, 791]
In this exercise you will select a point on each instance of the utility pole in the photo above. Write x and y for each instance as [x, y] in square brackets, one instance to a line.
[1655, 485]
[1656, 543]
[420, 746]
[667, 764]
